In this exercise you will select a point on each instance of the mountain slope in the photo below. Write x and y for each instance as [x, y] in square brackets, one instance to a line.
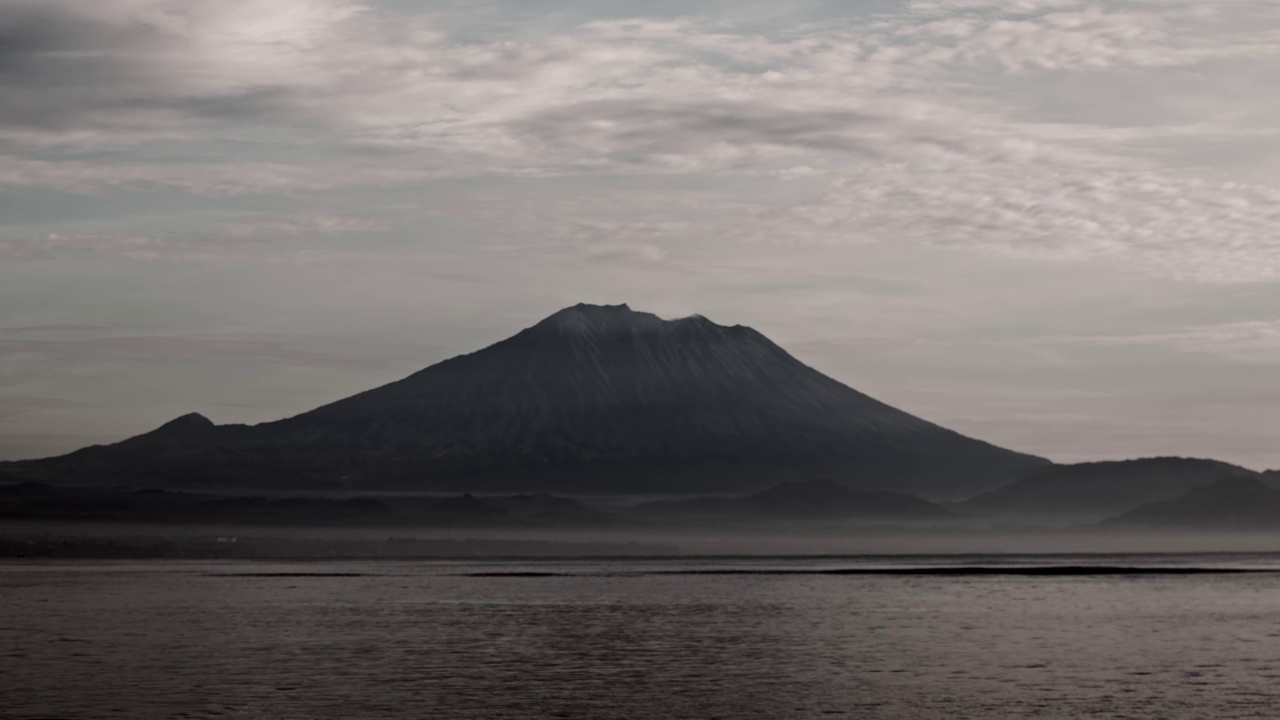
[593, 397]
[1232, 503]
[1100, 489]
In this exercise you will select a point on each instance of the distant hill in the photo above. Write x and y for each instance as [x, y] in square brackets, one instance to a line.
[591, 399]
[812, 500]
[1099, 489]
[1233, 503]
[34, 501]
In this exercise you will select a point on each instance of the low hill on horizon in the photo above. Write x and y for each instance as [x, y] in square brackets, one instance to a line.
[1231, 503]
[1097, 490]
[592, 398]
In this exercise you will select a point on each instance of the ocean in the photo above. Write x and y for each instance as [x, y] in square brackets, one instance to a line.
[647, 638]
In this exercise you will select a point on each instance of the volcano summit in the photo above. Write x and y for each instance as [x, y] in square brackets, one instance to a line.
[591, 399]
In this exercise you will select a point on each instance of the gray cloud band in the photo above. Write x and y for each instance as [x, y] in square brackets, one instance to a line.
[901, 123]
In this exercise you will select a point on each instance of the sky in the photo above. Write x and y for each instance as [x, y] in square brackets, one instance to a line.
[1050, 224]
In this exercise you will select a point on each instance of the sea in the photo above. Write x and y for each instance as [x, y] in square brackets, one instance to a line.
[1147, 636]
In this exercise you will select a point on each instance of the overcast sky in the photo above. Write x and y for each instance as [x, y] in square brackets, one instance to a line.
[1050, 224]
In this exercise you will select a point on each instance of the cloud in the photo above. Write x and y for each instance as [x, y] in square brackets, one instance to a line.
[15, 405]
[690, 136]
[316, 223]
[282, 242]
[909, 119]
[182, 68]
[1005, 7]
[1159, 222]
[1248, 341]
[220, 178]
[170, 349]
[137, 65]
[53, 244]
[1078, 39]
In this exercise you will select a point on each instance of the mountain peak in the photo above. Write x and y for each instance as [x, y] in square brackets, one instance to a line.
[189, 427]
[621, 309]
[186, 426]
[587, 318]
[190, 421]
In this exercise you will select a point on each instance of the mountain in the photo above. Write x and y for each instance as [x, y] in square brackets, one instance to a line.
[1232, 503]
[809, 500]
[593, 398]
[1100, 489]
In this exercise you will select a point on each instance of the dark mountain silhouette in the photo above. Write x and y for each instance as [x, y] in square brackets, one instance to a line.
[36, 501]
[1240, 503]
[179, 431]
[810, 500]
[597, 398]
[1100, 489]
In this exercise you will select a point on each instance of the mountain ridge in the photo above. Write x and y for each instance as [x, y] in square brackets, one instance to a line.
[1100, 489]
[1236, 502]
[591, 397]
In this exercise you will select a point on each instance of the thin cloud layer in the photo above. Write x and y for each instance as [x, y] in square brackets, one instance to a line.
[903, 116]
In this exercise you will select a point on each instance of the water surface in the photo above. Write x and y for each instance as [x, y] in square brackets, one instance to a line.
[677, 638]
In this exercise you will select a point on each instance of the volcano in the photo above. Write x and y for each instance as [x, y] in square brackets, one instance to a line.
[591, 399]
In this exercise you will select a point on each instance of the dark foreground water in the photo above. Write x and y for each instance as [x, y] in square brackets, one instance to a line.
[639, 639]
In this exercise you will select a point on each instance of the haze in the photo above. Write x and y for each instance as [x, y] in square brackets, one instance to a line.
[1044, 223]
